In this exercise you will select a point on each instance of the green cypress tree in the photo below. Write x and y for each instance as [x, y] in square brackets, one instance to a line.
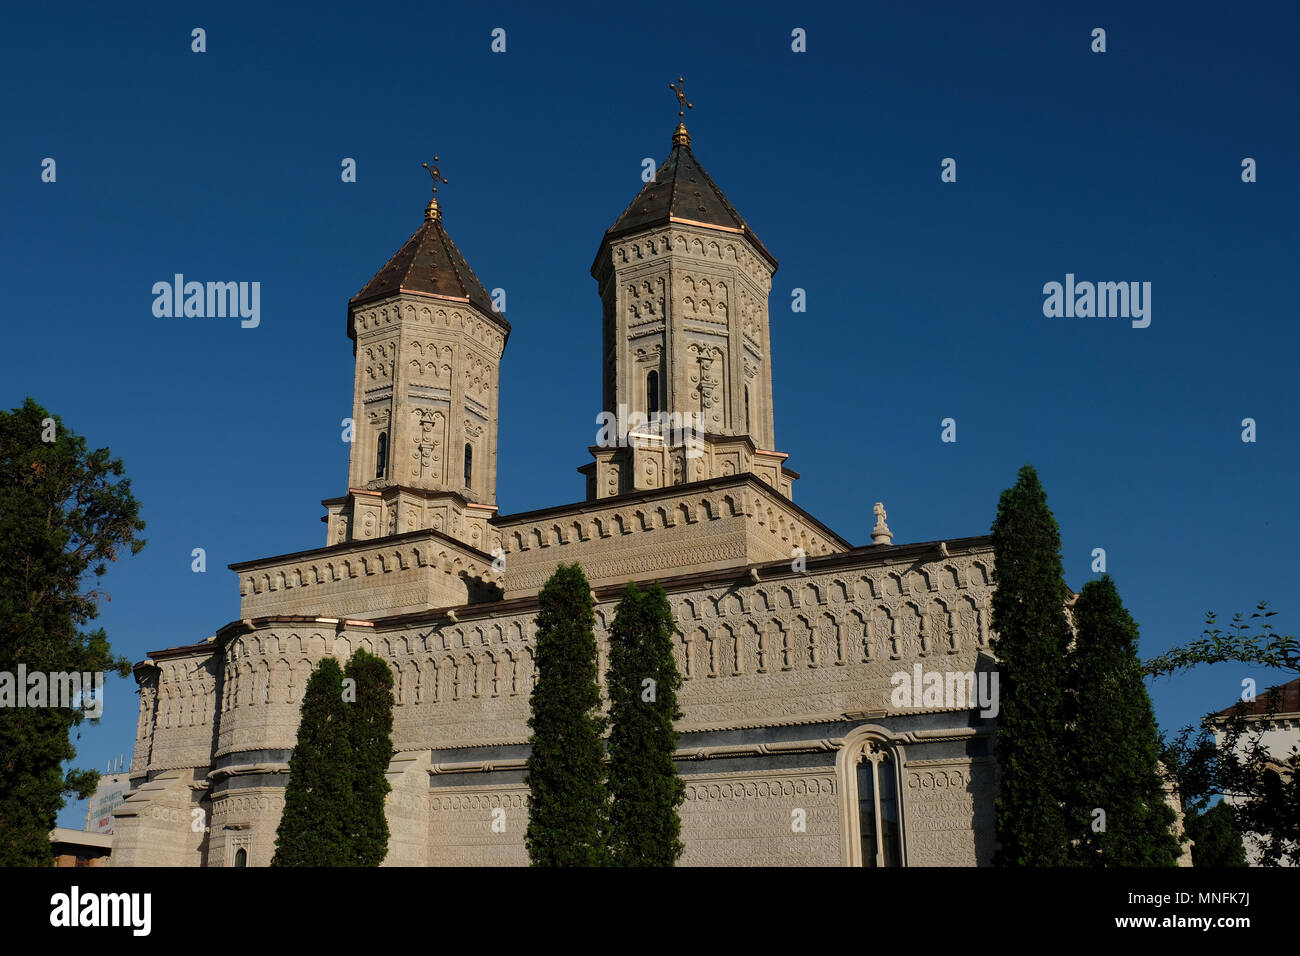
[644, 828]
[568, 801]
[1113, 746]
[370, 734]
[1033, 635]
[314, 828]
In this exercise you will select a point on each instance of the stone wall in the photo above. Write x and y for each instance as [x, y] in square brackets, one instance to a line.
[670, 532]
[415, 572]
[789, 649]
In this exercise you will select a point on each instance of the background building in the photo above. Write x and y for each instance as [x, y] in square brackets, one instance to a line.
[1278, 733]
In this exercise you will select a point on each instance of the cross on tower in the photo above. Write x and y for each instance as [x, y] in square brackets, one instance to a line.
[433, 171]
[680, 89]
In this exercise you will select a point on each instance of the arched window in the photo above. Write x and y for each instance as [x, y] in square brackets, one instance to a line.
[748, 426]
[469, 465]
[652, 393]
[872, 812]
[381, 454]
[241, 857]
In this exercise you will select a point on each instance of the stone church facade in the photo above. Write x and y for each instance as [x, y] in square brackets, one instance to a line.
[793, 749]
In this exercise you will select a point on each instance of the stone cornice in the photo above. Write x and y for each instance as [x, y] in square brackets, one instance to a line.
[668, 492]
[871, 555]
[235, 628]
[348, 547]
[356, 303]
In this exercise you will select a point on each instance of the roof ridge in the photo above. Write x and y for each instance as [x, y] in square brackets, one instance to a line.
[677, 171]
[457, 259]
[722, 197]
[448, 248]
[640, 192]
[393, 259]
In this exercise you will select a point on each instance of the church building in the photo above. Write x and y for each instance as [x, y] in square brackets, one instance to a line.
[795, 746]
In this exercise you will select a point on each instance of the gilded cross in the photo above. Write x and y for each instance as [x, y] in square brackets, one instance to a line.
[433, 171]
[680, 89]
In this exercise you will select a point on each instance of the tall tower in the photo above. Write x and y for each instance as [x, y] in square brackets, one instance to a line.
[684, 283]
[428, 345]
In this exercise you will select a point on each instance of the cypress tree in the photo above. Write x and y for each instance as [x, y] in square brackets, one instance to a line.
[644, 828]
[568, 801]
[1113, 745]
[370, 734]
[1033, 635]
[314, 828]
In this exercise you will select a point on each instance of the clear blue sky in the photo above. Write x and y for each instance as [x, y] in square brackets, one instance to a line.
[924, 298]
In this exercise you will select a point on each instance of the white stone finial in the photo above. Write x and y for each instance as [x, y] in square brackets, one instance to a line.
[881, 534]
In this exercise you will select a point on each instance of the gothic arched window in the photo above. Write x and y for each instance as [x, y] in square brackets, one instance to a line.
[381, 454]
[868, 766]
[241, 857]
[652, 393]
[469, 465]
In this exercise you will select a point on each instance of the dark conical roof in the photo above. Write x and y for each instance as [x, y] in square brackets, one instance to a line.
[429, 263]
[683, 192]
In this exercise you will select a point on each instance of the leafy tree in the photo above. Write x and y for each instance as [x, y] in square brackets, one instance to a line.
[1215, 839]
[644, 828]
[370, 732]
[1113, 746]
[1241, 642]
[568, 801]
[1033, 637]
[1264, 785]
[65, 513]
[316, 827]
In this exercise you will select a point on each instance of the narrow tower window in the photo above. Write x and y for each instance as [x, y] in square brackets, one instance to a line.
[652, 394]
[748, 425]
[381, 454]
[469, 465]
[241, 857]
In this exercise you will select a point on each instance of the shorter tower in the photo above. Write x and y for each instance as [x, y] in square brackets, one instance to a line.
[428, 344]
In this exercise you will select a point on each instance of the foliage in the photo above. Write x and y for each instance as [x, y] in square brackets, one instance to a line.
[370, 733]
[66, 513]
[1264, 786]
[1237, 643]
[568, 800]
[644, 827]
[320, 795]
[1215, 838]
[1033, 636]
[1112, 743]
